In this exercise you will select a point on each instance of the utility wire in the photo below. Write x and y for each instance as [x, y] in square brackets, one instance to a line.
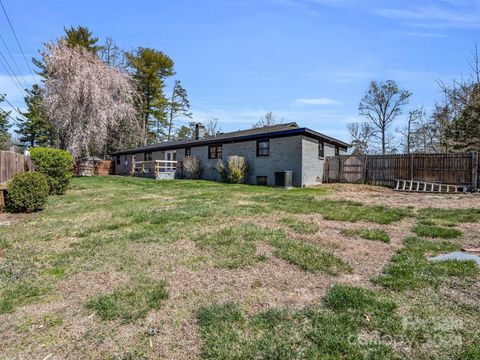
[14, 62]
[10, 116]
[18, 42]
[12, 76]
[13, 107]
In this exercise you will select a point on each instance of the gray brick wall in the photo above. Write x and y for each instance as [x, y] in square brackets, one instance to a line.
[312, 165]
[208, 173]
[285, 154]
[298, 154]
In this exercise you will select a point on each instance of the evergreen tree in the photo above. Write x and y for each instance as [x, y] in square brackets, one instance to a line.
[74, 36]
[464, 131]
[5, 137]
[186, 132]
[177, 106]
[150, 68]
[81, 36]
[35, 130]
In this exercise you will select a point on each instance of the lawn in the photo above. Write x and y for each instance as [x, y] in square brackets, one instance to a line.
[135, 268]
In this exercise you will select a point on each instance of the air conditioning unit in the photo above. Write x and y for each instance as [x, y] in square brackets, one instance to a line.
[283, 178]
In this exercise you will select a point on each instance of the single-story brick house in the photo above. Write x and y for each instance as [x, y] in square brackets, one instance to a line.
[267, 150]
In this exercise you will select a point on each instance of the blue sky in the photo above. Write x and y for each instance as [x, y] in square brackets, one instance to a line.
[308, 61]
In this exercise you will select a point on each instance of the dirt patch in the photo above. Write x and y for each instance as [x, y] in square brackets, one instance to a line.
[377, 195]
[11, 219]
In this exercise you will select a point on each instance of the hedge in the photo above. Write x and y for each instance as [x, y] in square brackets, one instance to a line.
[56, 165]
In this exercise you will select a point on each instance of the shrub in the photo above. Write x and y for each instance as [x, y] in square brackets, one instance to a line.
[56, 165]
[237, 169]
[27, 192]
[219, 167]
[192, 167]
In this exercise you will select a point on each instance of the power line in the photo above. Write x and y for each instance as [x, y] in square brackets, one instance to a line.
[15, 121]
[13, 107]
[13, 59]
[12, 76]
[16, 39]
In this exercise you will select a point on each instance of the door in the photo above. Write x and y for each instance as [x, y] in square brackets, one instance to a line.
[170, 156]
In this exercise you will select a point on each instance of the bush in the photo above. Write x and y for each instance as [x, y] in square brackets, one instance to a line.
[56, 165]
[236, 170]
[27, 192]
[191, 165]
[219, 167]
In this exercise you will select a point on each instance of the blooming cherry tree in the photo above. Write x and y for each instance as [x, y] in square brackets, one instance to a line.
[85, 98]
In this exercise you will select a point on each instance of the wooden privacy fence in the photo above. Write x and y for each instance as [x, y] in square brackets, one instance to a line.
[94, 168]
[455, 169]
[12, 164]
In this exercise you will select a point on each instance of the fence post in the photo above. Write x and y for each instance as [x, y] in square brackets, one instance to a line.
[365, 168]
[340, 172]
[411, 166]
[474, 170]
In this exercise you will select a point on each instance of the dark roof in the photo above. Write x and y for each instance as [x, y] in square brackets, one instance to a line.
[280, 130]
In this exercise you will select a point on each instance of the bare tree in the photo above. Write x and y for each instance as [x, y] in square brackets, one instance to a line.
[381, 105]
[409, 132]
[211, 126]
[268, 119]
[112, 55]
[84, 98]
[360, 134]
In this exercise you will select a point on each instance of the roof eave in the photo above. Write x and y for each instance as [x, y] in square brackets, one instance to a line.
[275, 134]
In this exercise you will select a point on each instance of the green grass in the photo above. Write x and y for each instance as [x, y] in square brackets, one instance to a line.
[235, 247]
[434, 231]
[232, 247]
[4, 244]
[308, 256]
[410, 269]
[130, 228]
[20, 293]
[130, 302]
[455, 216]
[369, 234]
[299, 226]
[316, 332]
[366, 307]
[338, 210]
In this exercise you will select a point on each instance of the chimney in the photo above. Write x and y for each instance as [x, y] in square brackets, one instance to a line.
[199, 131]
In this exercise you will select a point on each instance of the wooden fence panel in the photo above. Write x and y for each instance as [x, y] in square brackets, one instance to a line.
[353, 169]
[94, 168]
[11, 164]
[458, 169]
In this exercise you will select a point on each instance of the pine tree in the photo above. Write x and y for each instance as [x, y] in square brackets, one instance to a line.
[464, 131]
[177, 106]
[81, 36]
[150, 68]
[35, 130]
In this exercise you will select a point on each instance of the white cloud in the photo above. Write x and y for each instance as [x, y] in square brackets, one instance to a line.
[317, 101]
[436, 14]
